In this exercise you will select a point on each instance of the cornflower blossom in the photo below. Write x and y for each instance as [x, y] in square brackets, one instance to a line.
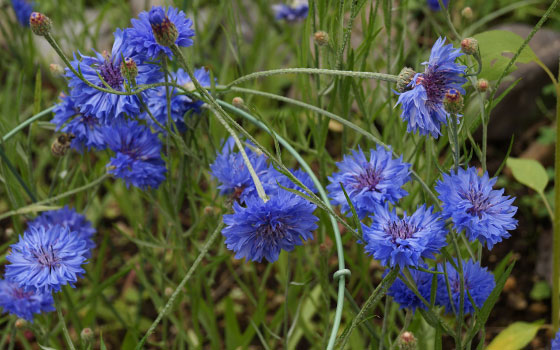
[45, 259]
[141, 39]
[422, 103]
[261, 230]
[405, 297]
[368, 181]
[23, 10]
[137, 157]
[18, 302]
[434, 4]
[230, 170]
[76, 223]
[180, 103]
[86, 129]
[478, 282]
[404, 242]
[104, 105]
[297, 10]
[475, 207]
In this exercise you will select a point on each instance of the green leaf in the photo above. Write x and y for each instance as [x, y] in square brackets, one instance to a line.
[516, 336]
[493, 44]
[529, 172]
[540, 291]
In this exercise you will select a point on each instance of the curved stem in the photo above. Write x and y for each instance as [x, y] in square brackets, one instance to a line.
[183, 282]
[26, 123]
[58, 307]
[343, 73]
[219, 112]
[323, 194]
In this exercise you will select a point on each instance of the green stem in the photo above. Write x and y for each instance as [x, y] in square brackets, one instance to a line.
[324, 196]
[183, 282]
[448, 19]
[455, 139]
[384, 323]
[219, 113]
[556, 236]
[343, 73]
[58, 307]
[26, 123]
[460, 313]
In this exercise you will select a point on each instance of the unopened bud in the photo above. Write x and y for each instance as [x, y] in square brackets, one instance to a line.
[405, 77]
[469, 46]
[453, 101]
[189, 86]
[467, 13]
[321, 38]
[164, 30]
[168, 291]
[238, 102]
[56, 69]
[407, 341]
[20, 323]
[86, 335]
[40, 24]
[129, 70]
[482, 85]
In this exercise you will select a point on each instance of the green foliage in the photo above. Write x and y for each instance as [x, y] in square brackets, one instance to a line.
[516, 336]
[529, 172]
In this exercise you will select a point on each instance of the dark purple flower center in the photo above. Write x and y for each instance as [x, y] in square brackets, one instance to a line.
[111, 74]
[270, 232]
[479, 201]
[46, 256]
[19, 293]
[434, 82]
[89, 121]
[369, 178]
[400, 229]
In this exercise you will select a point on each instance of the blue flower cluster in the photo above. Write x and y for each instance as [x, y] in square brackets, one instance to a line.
[296, 11]
[422, 103]
[434, 4]
[555, 345]
[259, 229]
[49, 255]
[100, 120]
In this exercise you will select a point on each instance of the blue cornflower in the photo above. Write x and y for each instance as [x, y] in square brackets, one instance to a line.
[469, 200]
[16, 301]
[141, 40]
[23, 10]
[404, 242]
[85, 128]
[104, 105]
[76, 223]
[434, 4]
[232, 173]
[368, 181]
[45, 259]
[479, 283]
[405, 297]
[138, 154]
[179, 103]
[298, 10]
[260, 230]
[555, 345]
[422, 104]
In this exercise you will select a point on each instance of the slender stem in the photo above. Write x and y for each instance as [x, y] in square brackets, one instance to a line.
[18, 177]
[58, 307]
[461, 310]
[323, 194]
[26, 123]
[183, 282]
[448, 19]
[455, 140]
[366, 75]
[219, 112]
[384, 324]
[556, 236]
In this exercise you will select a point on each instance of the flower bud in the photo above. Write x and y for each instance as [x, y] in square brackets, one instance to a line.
[407, 341]
[164, 30]
[129, 70]
[238, 102]
[467, 13]
[453, 101]
[56, 69]
[40, 24]
[168, 291]
[469, 46]
[189, 86]
[87, 335]
[20, 323]
[405, 77]
[482, 85]
[321, 38]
